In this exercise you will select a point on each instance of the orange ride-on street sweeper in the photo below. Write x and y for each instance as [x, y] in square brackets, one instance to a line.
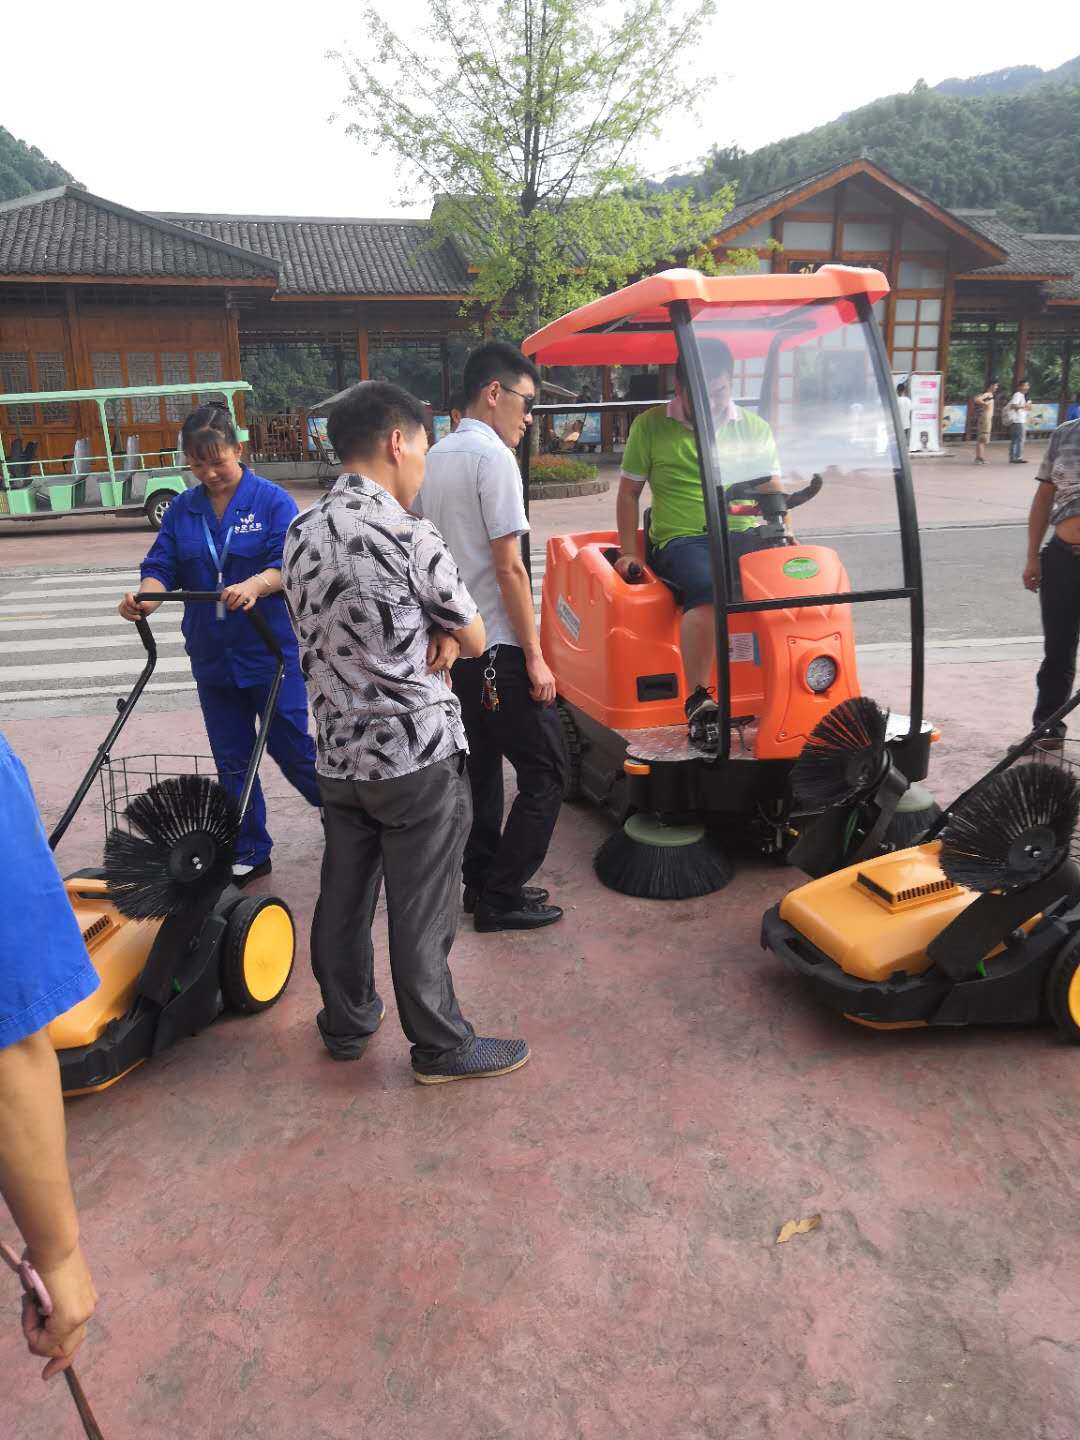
[171, 937]
[810, 362]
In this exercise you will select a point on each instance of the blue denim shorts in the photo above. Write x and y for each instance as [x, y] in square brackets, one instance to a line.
[685, 565]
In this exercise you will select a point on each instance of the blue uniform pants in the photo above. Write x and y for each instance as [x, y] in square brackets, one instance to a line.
[231, 714]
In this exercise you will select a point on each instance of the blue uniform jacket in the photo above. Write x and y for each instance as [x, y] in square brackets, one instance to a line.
[44, 967]
[226, 652]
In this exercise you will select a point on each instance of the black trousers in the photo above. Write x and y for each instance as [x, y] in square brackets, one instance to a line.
[408, 832]
[498, 861]
[1059, 601]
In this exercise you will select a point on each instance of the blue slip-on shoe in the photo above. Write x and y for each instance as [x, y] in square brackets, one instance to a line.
[485, 1057]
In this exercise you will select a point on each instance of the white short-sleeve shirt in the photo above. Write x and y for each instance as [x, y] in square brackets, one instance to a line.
[472, 494]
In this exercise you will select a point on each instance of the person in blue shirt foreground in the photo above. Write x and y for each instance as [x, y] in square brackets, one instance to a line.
[226, 534]
[44, 970]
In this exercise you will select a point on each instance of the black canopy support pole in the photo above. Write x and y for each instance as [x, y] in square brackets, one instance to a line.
[909, 520]
[715, 513]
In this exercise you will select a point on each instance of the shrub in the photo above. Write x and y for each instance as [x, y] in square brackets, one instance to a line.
[559, 470]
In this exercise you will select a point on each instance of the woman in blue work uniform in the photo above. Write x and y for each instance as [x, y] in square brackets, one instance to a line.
[226, 534]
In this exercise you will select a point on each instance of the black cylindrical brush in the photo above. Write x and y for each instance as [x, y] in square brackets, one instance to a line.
[844, 755]
[1012, 830]
[180, 849]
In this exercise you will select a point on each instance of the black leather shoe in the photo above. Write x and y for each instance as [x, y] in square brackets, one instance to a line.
[529, 916]
[472, 895]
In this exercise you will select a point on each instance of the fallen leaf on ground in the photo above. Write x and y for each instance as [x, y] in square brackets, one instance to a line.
[798, 1227]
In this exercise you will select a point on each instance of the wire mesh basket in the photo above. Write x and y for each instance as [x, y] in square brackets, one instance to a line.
[1059, 750]
[125, 776]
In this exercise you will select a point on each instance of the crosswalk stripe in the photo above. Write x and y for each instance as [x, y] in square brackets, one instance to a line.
[116, 590]
[88, 669]
[164, 619]
[70, 643]
[119, 577]
[6, 696]
[45, 605]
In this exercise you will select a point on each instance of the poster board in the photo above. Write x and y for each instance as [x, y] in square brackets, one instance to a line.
[926, 391]
[955, 421]
[440, 425]
[1041, 419]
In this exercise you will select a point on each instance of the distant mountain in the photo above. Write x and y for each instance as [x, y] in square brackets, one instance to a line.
[1017, 153]
[1013, 80]
[23, 168]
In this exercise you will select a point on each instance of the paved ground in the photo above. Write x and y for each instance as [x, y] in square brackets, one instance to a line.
[294, 1250]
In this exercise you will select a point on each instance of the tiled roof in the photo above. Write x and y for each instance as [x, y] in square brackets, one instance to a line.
[747, 208]
[68, 231]
[1025, 255]
[1066, 252]
[316, 256]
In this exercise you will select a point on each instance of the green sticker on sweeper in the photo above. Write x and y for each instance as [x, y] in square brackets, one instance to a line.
[801, 569]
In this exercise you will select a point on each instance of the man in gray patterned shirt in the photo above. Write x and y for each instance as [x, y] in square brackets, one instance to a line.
[381, 613]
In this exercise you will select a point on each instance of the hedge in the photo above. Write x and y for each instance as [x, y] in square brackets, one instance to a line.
[559, 470]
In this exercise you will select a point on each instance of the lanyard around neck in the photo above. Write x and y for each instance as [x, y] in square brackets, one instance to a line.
[218, 561]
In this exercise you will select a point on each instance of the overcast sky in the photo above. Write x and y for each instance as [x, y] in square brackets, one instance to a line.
[226, 107]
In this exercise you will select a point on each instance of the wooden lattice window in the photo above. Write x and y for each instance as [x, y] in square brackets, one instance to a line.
[108, 374]
[142, 370]
[15, 378]
[175, 369]
[52, 375]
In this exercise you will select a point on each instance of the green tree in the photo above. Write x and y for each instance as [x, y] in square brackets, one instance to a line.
[24, 169]
[524, 117]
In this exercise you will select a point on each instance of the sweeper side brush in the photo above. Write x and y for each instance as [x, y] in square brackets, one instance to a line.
[182, 849]
[1012, 830]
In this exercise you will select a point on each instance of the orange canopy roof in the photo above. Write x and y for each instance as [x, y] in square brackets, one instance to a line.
[633, 326]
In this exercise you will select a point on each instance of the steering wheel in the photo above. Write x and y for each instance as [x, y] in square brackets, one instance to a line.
[772, 502]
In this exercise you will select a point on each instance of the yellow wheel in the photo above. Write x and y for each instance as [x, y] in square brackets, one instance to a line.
[1063, 992]
[258, 954]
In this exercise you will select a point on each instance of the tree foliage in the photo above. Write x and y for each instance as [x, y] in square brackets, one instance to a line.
[524, 118]
[24, 169]
[1014, 153]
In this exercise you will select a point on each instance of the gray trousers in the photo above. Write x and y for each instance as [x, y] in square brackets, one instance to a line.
[410, 833]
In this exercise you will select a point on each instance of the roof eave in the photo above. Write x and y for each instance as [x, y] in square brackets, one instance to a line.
[816, 184]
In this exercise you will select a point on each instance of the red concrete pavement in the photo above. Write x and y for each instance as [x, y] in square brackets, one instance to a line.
[291, 1249]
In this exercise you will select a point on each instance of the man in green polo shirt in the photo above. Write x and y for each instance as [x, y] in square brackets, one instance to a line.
[661, 451]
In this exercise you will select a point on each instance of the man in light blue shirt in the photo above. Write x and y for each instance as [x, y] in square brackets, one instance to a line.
[472, 494]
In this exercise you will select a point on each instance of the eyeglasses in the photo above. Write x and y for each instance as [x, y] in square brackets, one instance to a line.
[527, 401]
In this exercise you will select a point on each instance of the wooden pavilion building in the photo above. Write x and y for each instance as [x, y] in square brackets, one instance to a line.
[95, 294]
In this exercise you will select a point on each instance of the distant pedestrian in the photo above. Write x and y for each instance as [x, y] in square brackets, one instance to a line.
[903, 404]
[1016, 413]
[457, 410]
[381, 614]
[1055, 573]
[1073, 412]
[984, 420]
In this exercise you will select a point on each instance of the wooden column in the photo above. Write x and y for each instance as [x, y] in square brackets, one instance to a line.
[946, 323]
[339, 367]
[894, 281]
[79, 368]
[607, 418]
[1021, 351]
[232, 356]
[444, 369]
[837, 221]
[362, 352]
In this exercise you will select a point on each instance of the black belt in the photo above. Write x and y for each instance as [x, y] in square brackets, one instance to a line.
[1075, 549]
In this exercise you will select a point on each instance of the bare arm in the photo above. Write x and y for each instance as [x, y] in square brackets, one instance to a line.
[627, 504]
[516, 592]
[35, 1183]
[471, 638]
[1038, 523]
